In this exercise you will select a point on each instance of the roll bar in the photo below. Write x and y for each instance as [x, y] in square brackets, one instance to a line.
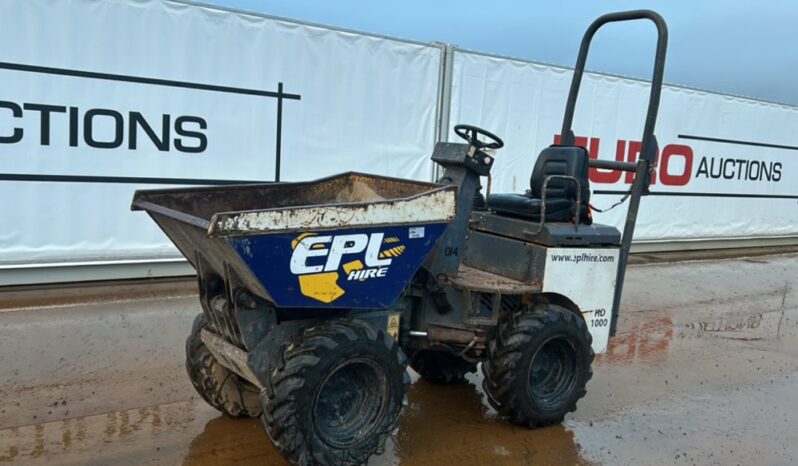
[642, 168]
[649, 146]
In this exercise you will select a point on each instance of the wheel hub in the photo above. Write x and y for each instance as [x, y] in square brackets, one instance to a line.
[553, 372]
[351, 402]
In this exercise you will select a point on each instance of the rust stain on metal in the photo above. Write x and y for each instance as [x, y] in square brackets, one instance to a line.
[482, 281]
[438, 334]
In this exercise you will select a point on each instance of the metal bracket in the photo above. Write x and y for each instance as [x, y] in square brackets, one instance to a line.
[543, 203]
[229, 356]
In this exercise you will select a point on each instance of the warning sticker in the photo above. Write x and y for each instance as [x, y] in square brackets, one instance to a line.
[393, 325]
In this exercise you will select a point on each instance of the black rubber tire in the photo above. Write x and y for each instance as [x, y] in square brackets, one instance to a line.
[216, 384]
[441, 367]
[293, 404]
[552, 332]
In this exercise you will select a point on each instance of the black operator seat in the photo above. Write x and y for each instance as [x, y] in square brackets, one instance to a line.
[561, 195]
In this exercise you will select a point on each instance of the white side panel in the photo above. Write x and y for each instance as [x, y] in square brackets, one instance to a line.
[703, 189]
[586, 277]
[366, 104]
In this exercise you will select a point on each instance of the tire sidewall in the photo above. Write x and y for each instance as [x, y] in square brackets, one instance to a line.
[366, 350]
[308, 361]
[574, 334]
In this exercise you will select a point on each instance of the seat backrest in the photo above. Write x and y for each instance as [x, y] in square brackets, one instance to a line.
[561, 160]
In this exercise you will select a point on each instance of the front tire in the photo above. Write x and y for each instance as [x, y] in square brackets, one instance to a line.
[216, 384]
[336, 395]
[538, 365]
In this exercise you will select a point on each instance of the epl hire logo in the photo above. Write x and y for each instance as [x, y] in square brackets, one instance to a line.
[320, 280]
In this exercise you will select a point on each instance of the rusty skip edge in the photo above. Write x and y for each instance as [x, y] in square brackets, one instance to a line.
[435, 206]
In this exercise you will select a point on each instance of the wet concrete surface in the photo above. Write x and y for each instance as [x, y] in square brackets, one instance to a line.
[703, 371]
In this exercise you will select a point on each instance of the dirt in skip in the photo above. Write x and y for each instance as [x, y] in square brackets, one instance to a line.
[703, 371]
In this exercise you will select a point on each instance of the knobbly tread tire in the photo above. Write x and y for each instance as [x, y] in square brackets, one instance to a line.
[287, 405]
[217, 385]
[508, 358]
[440, 367]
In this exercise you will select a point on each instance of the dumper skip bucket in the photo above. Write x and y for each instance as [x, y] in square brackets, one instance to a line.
[347, 241]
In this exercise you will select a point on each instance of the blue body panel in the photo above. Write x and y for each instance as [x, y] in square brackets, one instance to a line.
[355, 268]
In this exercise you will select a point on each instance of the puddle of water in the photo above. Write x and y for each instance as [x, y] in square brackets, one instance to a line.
[136, 436]
[442, 425]
[453, 425]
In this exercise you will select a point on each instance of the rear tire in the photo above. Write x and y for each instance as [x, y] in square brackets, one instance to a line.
[538, 365]
[441, 367]
[336, 395]
[216, 384]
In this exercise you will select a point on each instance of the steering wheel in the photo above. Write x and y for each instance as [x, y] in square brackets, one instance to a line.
[470, 133]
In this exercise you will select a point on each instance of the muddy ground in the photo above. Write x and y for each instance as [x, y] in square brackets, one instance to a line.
[703, 371]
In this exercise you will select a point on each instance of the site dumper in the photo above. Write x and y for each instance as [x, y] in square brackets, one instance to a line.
[317, 295]
[299, 285]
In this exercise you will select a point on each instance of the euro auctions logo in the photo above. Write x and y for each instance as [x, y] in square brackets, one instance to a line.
[320, 261]
[677, 165]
